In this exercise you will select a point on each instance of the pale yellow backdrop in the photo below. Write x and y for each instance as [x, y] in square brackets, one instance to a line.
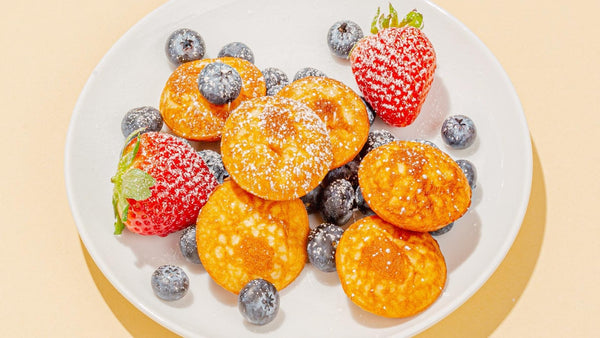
[546, 287]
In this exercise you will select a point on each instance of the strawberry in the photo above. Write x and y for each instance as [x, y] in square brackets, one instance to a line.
[394, 67]
[160, 185]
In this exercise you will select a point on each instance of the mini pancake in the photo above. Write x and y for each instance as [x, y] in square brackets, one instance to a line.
[242, 237]
[276, 148]
[188, 114]
[389, 271]
[342, 110]
[414, 185]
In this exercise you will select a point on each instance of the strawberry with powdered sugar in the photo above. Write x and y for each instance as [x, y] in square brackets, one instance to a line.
[394, 68]
[160, 185]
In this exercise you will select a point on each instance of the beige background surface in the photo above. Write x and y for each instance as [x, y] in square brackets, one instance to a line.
[547, 286]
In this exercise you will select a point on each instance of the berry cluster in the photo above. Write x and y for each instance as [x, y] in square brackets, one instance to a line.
[339, 194]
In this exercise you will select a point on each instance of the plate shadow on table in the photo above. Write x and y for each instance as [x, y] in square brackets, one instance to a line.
[481, 315]
[132, 319]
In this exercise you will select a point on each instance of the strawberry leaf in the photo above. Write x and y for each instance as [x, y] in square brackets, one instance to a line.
[383, 21]
[119, 226]
[413, 18]
[125, 181]
[394, 16]
[127, 159]
[119, 223]
[374, 29]
[136, 184]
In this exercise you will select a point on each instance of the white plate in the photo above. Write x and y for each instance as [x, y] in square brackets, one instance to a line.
[291, 35]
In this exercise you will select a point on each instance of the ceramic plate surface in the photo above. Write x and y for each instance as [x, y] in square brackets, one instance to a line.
[291, 35]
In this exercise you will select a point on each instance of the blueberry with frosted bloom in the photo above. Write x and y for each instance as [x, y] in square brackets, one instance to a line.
[188, 245]
[342, 36]
[337, 202]
[274, 90]
[458, 131]
[274, 77]
[427, 142]
[142, 119]
[258, 301]
[308, 71]
[376, 139]
[184, 45]
[219, 83]
[470, 172]
[348, 171]
[214, 162]
[237, 50]
[312, 200]
[361, 203]
[322, 243]
[170, 282]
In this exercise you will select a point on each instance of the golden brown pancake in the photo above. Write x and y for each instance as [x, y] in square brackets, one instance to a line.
[188, 114]
[389, 271]
[276, 148]
[342, 110]
[242, 237]
[414, 186]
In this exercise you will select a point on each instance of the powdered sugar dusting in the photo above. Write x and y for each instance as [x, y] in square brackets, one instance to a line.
[276, 148]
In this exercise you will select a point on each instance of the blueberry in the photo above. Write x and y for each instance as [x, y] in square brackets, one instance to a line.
[312, 200]
[184, 45]
[308, 71]
[337, 202]
[370, 111]
[274, 90]
[469, 169]
[214, 162]
[170, 282]
[342, 36]
[361, 204]
[427, 142]
[322, 243]
[375, 139]
[442, 231]
[458, 131]
[348, 171]
[258, 301]
[274, 77]
[237, 50]
[219, 83]
[188, 246]
[145, 118]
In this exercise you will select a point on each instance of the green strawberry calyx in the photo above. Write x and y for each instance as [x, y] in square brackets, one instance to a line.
[129, 183]
[382, 21]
